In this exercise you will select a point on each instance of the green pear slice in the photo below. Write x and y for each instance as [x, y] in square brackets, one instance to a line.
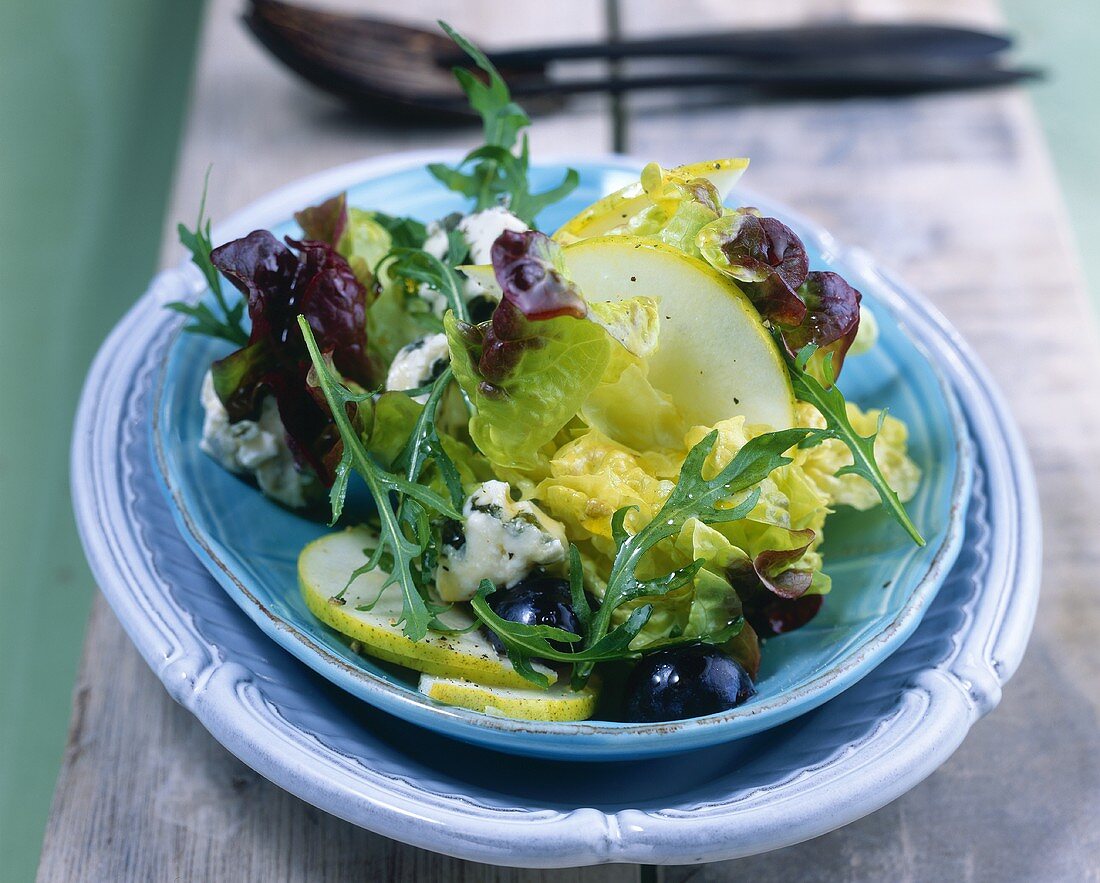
[323, 570]
[619, 207]
[559, 703]
[715, 358]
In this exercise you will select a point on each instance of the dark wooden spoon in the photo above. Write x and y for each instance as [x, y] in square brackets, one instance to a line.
[392, 69]
[378, 66]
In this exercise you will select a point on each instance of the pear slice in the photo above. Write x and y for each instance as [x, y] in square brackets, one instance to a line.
[714, 358]
[559, 703]
[618, 208]
[323, 569]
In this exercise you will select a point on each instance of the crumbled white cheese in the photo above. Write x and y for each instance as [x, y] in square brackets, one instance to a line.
[254, 447]
[418, 363]
[479, 230]
[504, 541]
[437, 243]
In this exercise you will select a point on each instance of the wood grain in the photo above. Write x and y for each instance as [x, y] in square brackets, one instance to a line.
[955, 193]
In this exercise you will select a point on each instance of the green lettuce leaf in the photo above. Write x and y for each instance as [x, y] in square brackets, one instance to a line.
[630, 410]
[364, 243]
[625, 406]
[715, 605]
[355, 234]
[396, 318]
[531, 368]
[593, 476]
[526, 383]
[824, 464]
[395, 416]
[680, 208]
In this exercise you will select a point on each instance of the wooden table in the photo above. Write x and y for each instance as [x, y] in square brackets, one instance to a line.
[955, 193]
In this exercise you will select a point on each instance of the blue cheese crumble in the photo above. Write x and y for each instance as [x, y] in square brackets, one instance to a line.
[418, 364]
[479, 231]
[501, 540]
[255, 448]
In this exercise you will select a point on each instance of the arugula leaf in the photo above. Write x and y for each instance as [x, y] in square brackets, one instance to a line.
[707, 499]
[727, 633]
[578, 599]
[494, 172]
[829, 401]
[419, 266]
[228, 326]
[415, 613]
[693, 497]
[404, 232]
[502, 119]
[524, 642]
[526, 205]
[424, 443]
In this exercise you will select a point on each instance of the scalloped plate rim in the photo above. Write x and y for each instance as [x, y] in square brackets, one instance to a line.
[990, 648]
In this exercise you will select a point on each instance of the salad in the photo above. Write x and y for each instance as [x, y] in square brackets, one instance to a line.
[599, 463]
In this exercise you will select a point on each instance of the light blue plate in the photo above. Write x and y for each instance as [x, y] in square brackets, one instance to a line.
[882, 582]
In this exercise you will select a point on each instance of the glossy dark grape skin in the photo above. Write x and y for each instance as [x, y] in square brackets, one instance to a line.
[537, 599]
[481, 309]
[771, 615]
[682, 682]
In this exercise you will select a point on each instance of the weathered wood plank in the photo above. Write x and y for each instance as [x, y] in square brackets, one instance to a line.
[956, 194]
[145, 793]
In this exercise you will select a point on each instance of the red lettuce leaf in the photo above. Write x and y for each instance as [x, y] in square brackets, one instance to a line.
[527, 265]
[496, 345]
[773, 568]
[278, 285]
[331, 221]
[832, 317]
[772, 592]
[325, 222]
[770, 261]
[534, 288]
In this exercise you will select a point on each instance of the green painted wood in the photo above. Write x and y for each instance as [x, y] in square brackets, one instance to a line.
[1062, 38]
[91, 97]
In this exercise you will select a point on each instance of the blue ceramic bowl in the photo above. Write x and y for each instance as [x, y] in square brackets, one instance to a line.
[882, 582]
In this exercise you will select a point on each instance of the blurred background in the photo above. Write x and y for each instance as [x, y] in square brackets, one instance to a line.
[93, 100]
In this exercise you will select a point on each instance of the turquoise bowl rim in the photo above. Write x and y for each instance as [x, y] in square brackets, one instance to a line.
[582, 740]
